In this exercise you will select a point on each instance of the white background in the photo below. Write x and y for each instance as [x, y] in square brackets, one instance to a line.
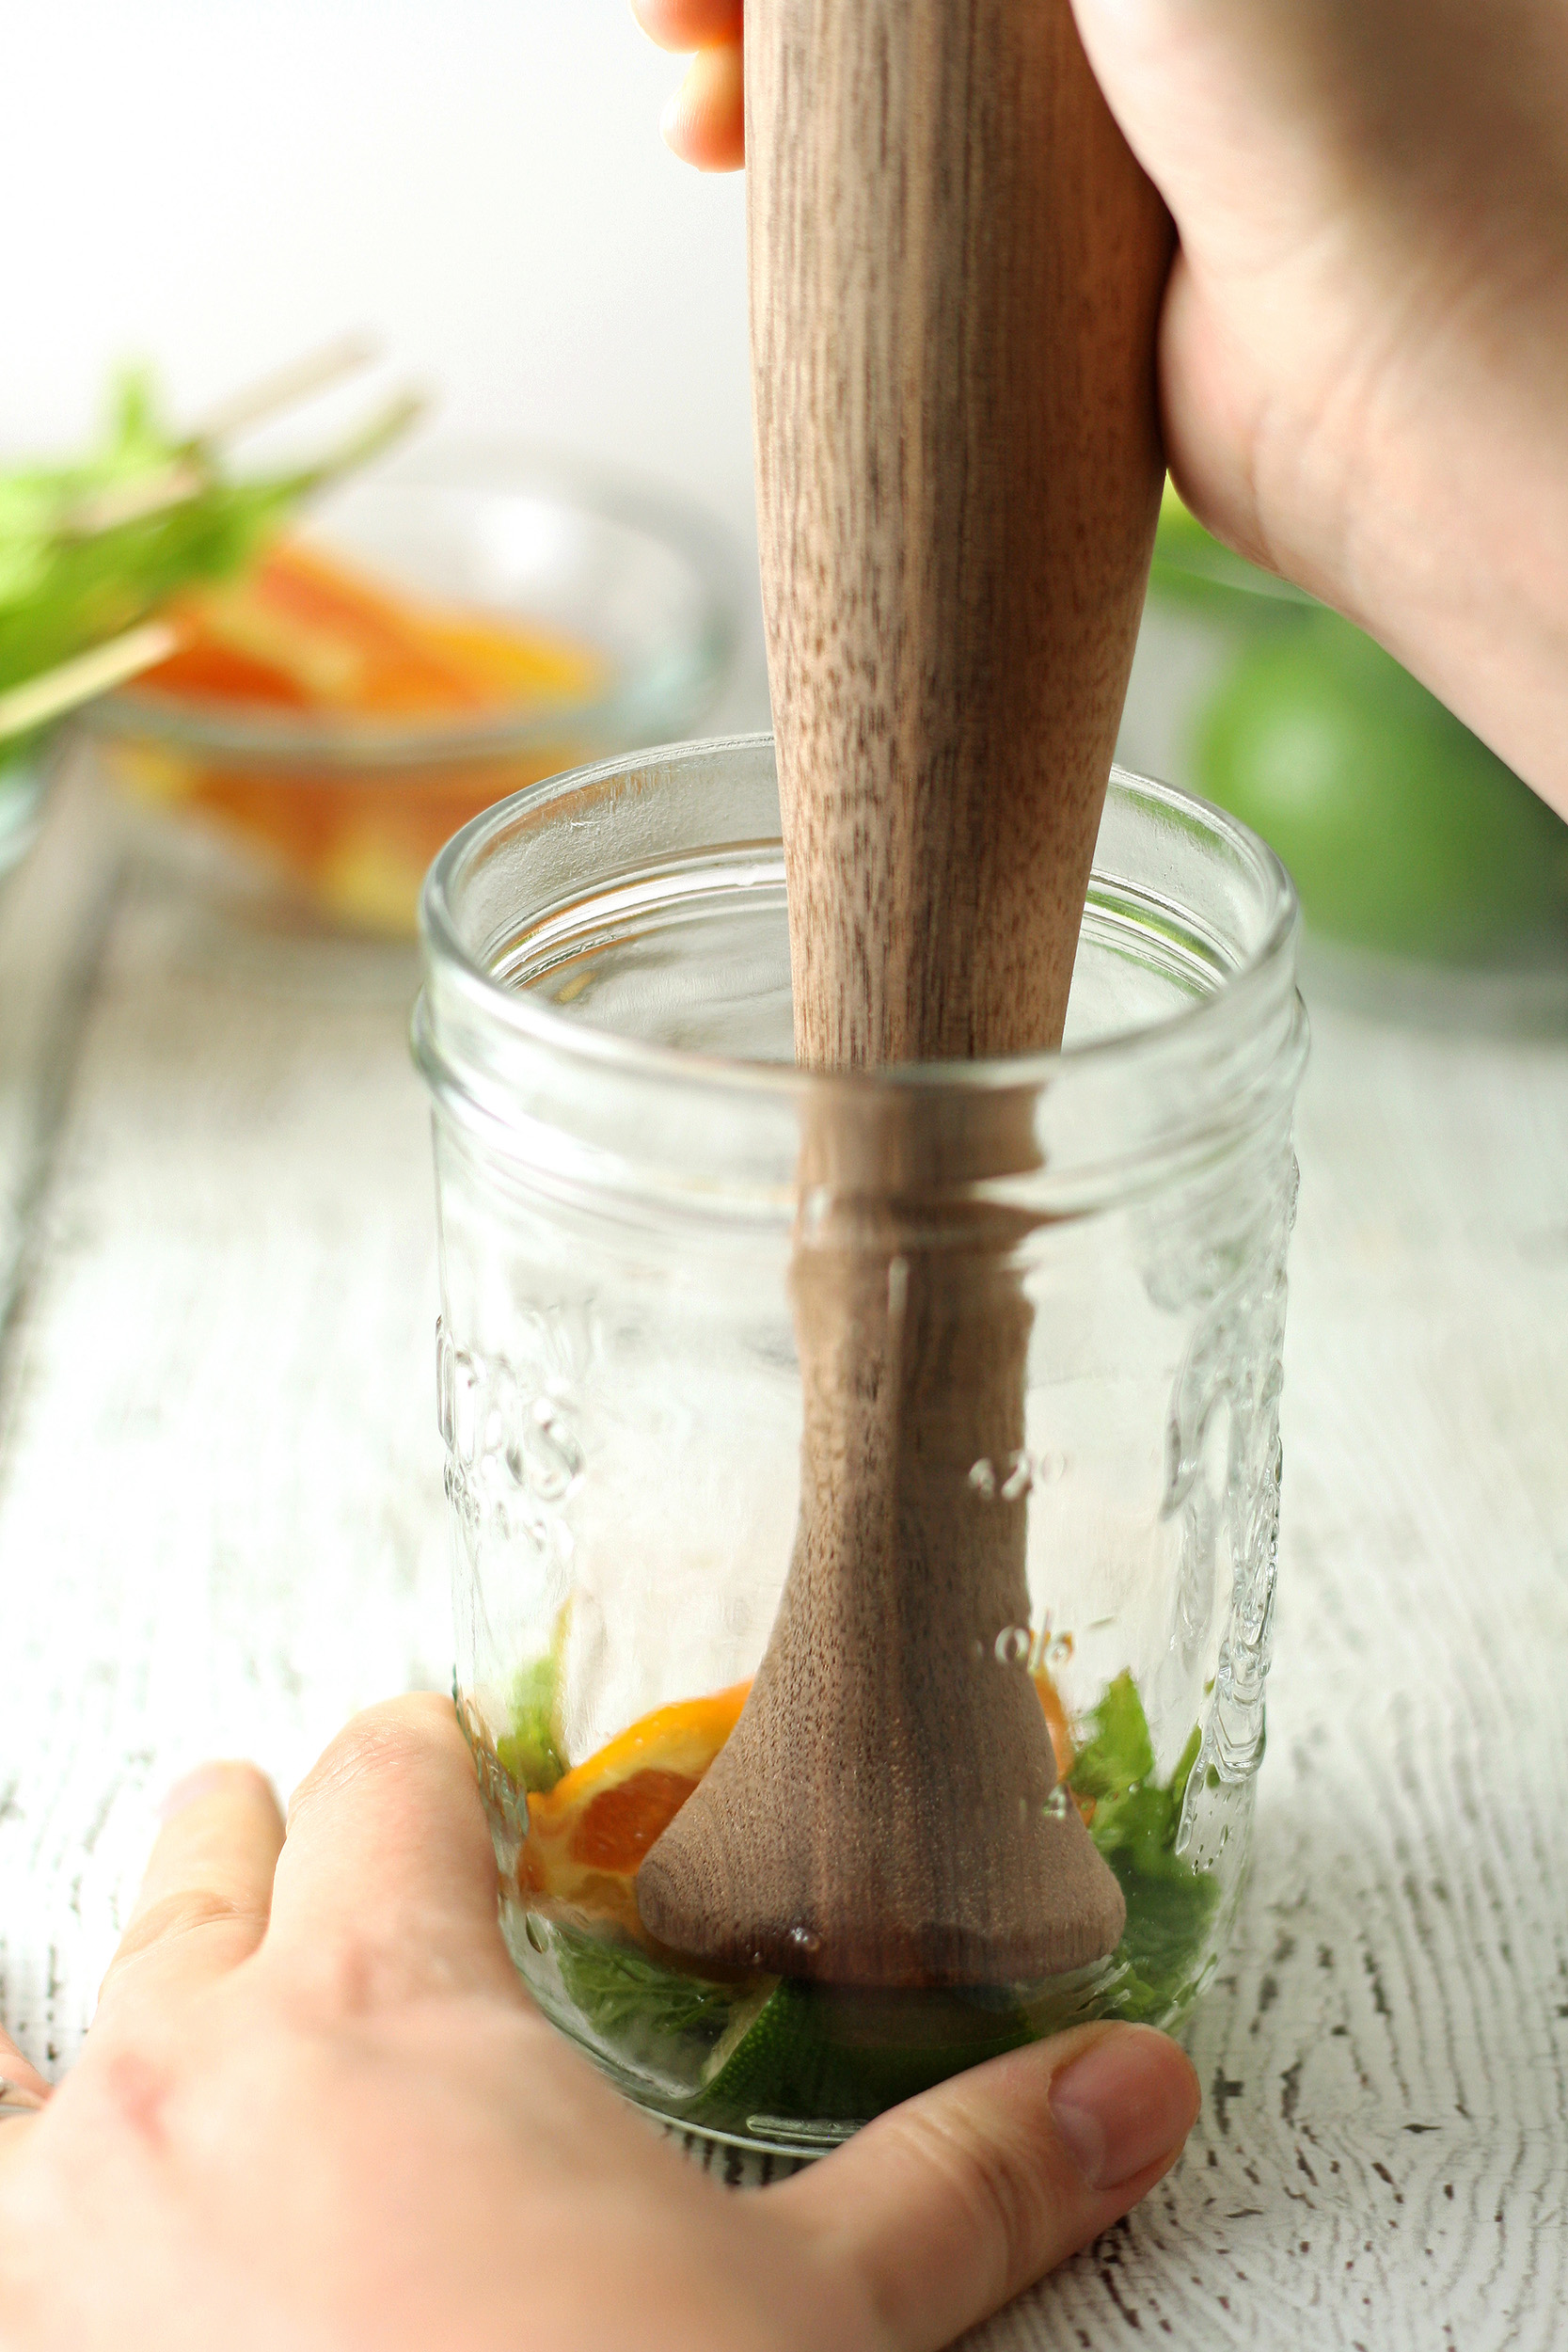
[219, 184]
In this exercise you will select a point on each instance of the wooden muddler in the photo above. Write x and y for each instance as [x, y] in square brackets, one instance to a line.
[956, 272]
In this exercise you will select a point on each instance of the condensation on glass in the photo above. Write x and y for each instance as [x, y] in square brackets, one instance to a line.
[606, 1032]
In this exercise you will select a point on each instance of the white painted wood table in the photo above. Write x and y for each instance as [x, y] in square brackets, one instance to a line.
[220, 1530]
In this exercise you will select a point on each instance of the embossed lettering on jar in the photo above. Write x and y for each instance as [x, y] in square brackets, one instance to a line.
[606, 1031]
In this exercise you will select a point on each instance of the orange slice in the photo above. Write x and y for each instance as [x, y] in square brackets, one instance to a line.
[588, 1835]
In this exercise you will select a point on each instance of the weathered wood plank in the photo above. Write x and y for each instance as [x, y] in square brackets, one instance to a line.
[220, 1528]
[1385, 2059]
[52, 914]
[219, 1487]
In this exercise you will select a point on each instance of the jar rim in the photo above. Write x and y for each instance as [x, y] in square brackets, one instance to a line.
[1265, 967]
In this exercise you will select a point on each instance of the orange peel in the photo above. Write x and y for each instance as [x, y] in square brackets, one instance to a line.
[588, 1835]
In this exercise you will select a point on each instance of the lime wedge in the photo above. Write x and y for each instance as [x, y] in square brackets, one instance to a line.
[835, 2054]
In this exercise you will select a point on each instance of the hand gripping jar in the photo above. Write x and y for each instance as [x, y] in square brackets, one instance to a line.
[621, 1149]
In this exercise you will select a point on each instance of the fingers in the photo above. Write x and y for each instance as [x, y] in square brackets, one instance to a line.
[946, 2208]
[387, 1883]
[686, 24]
[204, 1900]
[704, 122]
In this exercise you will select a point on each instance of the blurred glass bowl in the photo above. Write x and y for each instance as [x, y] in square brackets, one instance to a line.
[350, 810]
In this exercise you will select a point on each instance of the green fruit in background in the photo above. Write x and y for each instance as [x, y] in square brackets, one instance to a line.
[1401, 829]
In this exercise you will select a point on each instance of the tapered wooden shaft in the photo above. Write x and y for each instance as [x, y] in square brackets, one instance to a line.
[956, 274]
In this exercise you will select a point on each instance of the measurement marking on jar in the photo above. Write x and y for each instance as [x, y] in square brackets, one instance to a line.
[1041, 1651]
[1017, 1475]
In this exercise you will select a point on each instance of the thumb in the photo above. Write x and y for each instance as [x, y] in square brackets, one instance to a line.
[944, 2209]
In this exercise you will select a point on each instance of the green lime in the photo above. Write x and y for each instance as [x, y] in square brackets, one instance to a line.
[1401, 829]
[753, 2029]
[532, 1749]
[833, 2054]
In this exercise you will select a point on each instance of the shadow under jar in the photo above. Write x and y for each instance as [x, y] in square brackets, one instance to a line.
[629, 1180]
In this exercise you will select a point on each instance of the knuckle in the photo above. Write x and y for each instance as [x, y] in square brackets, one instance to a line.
[344, 1976]
[387, 1743]
[190, 1911]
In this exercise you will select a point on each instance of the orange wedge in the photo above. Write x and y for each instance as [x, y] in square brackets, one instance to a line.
[588, 1834]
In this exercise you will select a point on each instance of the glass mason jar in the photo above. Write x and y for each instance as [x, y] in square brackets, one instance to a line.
[633, 1194]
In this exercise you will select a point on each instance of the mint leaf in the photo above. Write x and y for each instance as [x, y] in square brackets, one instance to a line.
[625, 1994]
[1135, 1826]
[1119, 1755]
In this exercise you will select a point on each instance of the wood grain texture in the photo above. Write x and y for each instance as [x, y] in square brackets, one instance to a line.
[886, 1809]
[955, 267]
[1384, 2059]
[51, 941]
[221, 1527]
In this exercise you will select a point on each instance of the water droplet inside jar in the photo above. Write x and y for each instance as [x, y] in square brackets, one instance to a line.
[804, 1940]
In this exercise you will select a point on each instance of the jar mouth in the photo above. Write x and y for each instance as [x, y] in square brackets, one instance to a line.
[482, 1032]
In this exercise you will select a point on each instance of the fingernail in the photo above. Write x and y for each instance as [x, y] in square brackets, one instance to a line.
[201, 1783]
[1130, 2099]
